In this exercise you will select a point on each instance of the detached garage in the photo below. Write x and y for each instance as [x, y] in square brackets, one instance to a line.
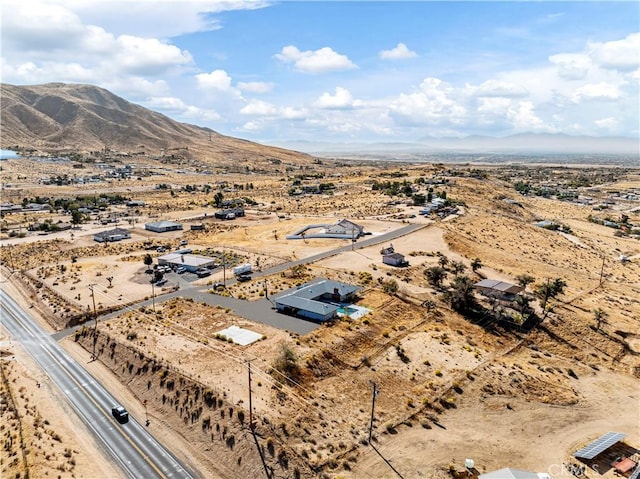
[116, 234]
[163, 226]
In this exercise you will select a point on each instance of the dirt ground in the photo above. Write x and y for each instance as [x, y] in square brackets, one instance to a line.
[448, 389]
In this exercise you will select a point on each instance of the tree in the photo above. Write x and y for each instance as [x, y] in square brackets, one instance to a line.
[600, 317]
[390, 286]
[286, 362]
[548, 290]
[523, 303]
[217, 199]
[443, 261]
[148, 259]
[460, 297]
[435, 275]
[76, 217]
[110, 279]
[458, 267]
[525, 279]
[476, 264]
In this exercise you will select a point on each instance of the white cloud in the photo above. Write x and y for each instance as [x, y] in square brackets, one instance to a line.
[571, 66]
[148, 56]
[290, 113]
[400, 52]
[216, 80]
[319, 61]
[609, 123]
[252, 126]
[602, 90]
[497, 88]
[172, 106]
[46, 41]
[340, 101]
[148, 18]
[523, 118]
[255, 87]
[435, 102]
[618, 55]
[258, 108]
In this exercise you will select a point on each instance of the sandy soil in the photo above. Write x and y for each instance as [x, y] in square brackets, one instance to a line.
[501, 397]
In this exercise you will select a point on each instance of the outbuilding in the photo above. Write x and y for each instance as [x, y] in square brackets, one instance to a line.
[116, 234]
[498, 289]
[191, 262]
[163, 226]
[394, 259]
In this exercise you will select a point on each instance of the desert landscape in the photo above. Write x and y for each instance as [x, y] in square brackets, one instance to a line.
[455, 386]
[433, 370]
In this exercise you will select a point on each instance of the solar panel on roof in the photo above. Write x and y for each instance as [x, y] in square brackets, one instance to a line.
[603, 443]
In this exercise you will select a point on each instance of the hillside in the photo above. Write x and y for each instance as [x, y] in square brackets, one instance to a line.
[63, 117]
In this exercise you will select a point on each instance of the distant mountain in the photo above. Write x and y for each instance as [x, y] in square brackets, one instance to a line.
[524, 143]
[60, 116]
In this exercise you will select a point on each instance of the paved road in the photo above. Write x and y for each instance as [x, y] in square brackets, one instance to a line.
[261, 311]
[130, 445]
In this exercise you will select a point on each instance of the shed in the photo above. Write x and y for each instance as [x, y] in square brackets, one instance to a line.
[500, 289]
[116, 234]
[163, 226]
[394, 259]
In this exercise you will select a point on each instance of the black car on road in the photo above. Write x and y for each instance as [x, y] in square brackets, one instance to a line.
[120, 413]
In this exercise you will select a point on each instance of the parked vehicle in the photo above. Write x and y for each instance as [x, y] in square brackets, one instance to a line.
[181, 270]
[243, 269]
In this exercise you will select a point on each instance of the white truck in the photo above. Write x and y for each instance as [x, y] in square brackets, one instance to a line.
[242, 270]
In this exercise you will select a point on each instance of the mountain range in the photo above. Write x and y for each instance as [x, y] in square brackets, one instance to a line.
[519, 144]
[83, 118]
[63, 117]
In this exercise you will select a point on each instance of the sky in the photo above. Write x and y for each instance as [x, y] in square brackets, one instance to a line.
[334, 71]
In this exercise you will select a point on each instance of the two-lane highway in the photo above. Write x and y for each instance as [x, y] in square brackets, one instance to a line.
[130, 445]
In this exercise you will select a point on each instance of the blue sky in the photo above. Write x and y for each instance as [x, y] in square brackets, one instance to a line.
[343, 71]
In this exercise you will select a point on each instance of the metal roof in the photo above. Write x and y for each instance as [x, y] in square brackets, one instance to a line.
[508, 473]
[635, 474]
[186, 259]
[327, 286]
[498, 286]
[113, 232]
[162, 224]
[601, 444]
[307, 304]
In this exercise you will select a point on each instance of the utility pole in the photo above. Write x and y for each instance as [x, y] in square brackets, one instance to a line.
[224, 269]
[373, 405]
[250, 398]
[95, 324]
[601, 271]
[153, 297]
